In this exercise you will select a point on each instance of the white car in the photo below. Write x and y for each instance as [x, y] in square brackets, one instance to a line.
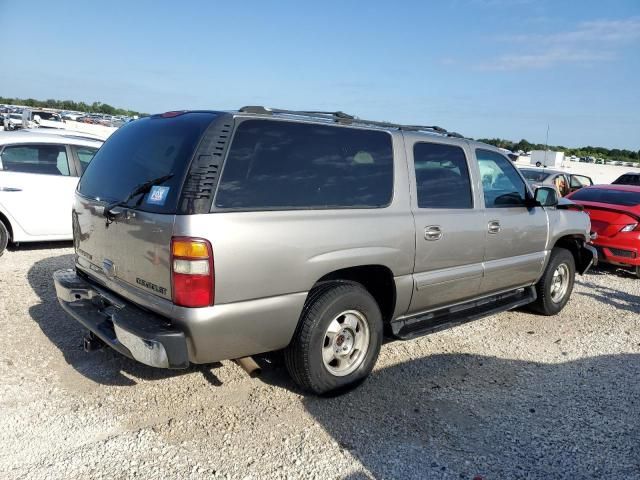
[38, 176]
[46, 120]
[12, 121]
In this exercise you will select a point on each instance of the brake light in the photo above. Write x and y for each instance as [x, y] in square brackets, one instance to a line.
[173, 113]
[192, 274]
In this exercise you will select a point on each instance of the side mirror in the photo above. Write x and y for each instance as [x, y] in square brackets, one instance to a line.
[546, 196]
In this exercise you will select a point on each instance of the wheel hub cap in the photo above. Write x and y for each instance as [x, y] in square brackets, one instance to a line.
[346, 342]
[559, 283]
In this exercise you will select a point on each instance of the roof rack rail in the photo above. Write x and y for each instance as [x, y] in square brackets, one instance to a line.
[341, 117]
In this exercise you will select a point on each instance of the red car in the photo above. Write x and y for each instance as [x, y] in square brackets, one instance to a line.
[615, 217]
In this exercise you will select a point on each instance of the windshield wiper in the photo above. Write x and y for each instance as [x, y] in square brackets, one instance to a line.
[139, 190]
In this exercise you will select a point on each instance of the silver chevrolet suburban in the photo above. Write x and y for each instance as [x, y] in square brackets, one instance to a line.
[206, 235]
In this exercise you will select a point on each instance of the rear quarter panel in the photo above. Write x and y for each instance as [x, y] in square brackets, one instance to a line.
[269, 253]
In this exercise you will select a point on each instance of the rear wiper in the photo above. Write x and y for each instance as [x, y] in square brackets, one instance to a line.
[139, 190]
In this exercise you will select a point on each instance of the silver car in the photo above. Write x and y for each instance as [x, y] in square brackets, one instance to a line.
[562, 181]
[205, 235]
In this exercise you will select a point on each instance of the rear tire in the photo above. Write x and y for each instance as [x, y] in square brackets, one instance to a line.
[338, 339]
[555, 287]
[4, 238]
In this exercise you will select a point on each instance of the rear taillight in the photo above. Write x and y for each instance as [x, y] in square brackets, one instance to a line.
[192, 273]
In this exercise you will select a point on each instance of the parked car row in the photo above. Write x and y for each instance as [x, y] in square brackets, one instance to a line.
[465, 235]
[13, 118]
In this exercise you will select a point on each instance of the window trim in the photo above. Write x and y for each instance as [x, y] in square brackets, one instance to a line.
[240, 120]
[72, 166]
[412, 173]
[76, 158]
[527, 193]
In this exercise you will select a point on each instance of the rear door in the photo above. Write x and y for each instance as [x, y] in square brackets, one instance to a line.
[37, 182]
[449, 230]
[516, 236]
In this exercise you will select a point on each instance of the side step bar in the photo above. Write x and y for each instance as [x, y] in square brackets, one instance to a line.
[424, 323]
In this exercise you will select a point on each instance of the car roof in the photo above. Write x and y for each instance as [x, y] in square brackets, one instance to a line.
[546, 170]
[627, 188]
[335, 118]
[7, 138]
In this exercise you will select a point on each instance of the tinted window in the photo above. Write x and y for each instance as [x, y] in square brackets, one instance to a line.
[143, 150]
[42, 159]
[537, 176]
[279, 165]
[502, 185]
[628, 179]
[442, 176]
[85, 154]
[601, 195]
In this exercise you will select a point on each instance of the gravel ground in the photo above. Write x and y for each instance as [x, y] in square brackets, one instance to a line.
[512, 396]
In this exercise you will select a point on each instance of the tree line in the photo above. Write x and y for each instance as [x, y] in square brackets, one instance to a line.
[589, 151]
[95, 107]
[105, 108]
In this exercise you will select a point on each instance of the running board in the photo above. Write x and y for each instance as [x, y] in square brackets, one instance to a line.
[425, 323]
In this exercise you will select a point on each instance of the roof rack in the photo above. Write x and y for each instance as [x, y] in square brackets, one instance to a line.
[345, 118]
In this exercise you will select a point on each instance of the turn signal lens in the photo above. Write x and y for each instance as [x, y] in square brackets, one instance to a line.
[189, 249]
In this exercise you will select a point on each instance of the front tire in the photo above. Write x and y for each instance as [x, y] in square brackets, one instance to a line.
[555, 287]
[338, 339]
[4, 238]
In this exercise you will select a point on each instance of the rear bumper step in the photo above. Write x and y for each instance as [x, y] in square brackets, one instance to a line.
[429, 322]
[136, 333]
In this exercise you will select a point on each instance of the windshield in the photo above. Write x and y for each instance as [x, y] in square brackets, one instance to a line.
[141, 151]
[614, 197]
[537, 176]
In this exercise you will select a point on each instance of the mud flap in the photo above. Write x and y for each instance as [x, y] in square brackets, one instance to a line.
[587, 258]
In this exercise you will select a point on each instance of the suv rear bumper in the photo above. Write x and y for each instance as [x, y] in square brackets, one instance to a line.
[136, 333]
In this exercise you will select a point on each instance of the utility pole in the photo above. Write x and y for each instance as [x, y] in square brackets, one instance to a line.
[546, 147]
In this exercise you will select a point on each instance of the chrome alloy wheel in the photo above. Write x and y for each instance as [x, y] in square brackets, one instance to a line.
[560, 283]
[346, 342]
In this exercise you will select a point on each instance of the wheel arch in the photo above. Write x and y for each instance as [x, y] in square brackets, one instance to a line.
[7, 223]
[378, 280]
[576, 245]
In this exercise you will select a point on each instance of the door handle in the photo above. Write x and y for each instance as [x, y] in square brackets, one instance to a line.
[494, 226]
[10, 189]
[432, 233]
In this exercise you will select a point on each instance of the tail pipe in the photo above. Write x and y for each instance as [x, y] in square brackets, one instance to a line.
[249, 365]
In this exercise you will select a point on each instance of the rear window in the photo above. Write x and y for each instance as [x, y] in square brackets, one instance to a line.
[537, 176]
[283, 165]
[143, 150]
[601, 195]
[628, 179]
